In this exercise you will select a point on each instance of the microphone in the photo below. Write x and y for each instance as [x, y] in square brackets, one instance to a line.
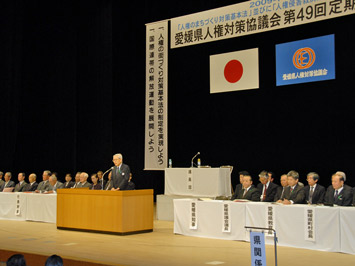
[108, 170]
[192, 160]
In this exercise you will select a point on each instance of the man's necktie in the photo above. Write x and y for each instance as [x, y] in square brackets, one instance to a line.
[264, 195]
[336, 195]
[310, 195]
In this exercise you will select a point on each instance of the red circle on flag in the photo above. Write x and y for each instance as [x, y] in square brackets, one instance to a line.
[233, 71]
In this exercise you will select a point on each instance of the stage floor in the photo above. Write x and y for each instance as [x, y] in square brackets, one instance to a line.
[160, 247]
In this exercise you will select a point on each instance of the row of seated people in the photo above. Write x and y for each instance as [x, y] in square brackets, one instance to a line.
[50, 182]
[292, 191]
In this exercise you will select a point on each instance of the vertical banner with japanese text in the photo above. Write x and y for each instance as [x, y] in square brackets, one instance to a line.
[156, 145]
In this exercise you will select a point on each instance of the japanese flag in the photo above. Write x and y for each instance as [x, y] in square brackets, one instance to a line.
[234, 71]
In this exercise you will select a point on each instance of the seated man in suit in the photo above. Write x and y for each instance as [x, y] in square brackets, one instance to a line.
[44, 185]
[239, 186]
[280, 191]
[101, 180]
[108, 185]
[68, 183]
[1, 181]
[248, 192]
[77, 180]
[294, 193]
[55, 184]
[8, 182]
[32, 186]
[83, 181]
[314, 193]
[339, 193]
[21, 185]
[266, 188]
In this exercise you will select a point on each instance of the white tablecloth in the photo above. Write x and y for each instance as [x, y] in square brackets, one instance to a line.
[198, 182]
[333, 230]
[28, 206]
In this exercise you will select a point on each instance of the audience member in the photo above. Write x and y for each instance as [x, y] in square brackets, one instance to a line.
[339, 193]
[54, 260]
[108, 185]
[16, 260]
[314, 193]
[266, 188]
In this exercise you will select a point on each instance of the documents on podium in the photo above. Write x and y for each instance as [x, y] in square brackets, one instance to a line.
[117, 212]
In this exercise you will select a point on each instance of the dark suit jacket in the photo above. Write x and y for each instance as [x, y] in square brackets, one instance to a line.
[102, 182]
[120, 178]
[318, 194]
[279, 194]
[96, 187]
[345, 197]
[69, 184]
[108, 185]
[9, 184]
[270, 192]
[32, 187]
[252, 194]
[297, 195]
[20, 188]
[238, 188]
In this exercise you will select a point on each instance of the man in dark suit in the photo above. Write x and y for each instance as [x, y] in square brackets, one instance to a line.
[339, 193]
[101, 181]
[32, 186]
[239, 186]
[108, 185]
[294, 193]
[8, 182]
[68, 183]
[248, 192]
[314, 193]
[120, 173]
[280, 191]
[44, 185]
[266, 188]
[21, 185]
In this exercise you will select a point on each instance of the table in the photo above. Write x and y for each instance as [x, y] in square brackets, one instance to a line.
[28, 206]
[198, 182]
[332, 226]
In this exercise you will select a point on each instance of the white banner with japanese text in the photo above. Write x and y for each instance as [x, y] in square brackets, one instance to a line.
[156, 119]
[251, 17]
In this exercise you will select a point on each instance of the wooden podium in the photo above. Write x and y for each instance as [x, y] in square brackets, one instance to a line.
[118, 212]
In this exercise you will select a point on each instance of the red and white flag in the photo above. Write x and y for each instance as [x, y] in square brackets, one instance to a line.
[234, 71]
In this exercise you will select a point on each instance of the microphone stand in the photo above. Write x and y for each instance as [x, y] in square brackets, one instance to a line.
[192, 160]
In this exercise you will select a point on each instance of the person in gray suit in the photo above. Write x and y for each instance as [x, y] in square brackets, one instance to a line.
[294, 193]
[44, 185]
[32, 186]
[120, 173]
[83, 181]
[21, 185]
[8, 182]
[55, 184]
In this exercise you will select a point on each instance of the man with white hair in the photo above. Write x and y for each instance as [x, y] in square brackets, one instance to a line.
[55, 184]
[120, 173]
[339, 193]
[8, 182]
[84, 181]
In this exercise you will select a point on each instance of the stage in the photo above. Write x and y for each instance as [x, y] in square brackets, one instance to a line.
[160, 247]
